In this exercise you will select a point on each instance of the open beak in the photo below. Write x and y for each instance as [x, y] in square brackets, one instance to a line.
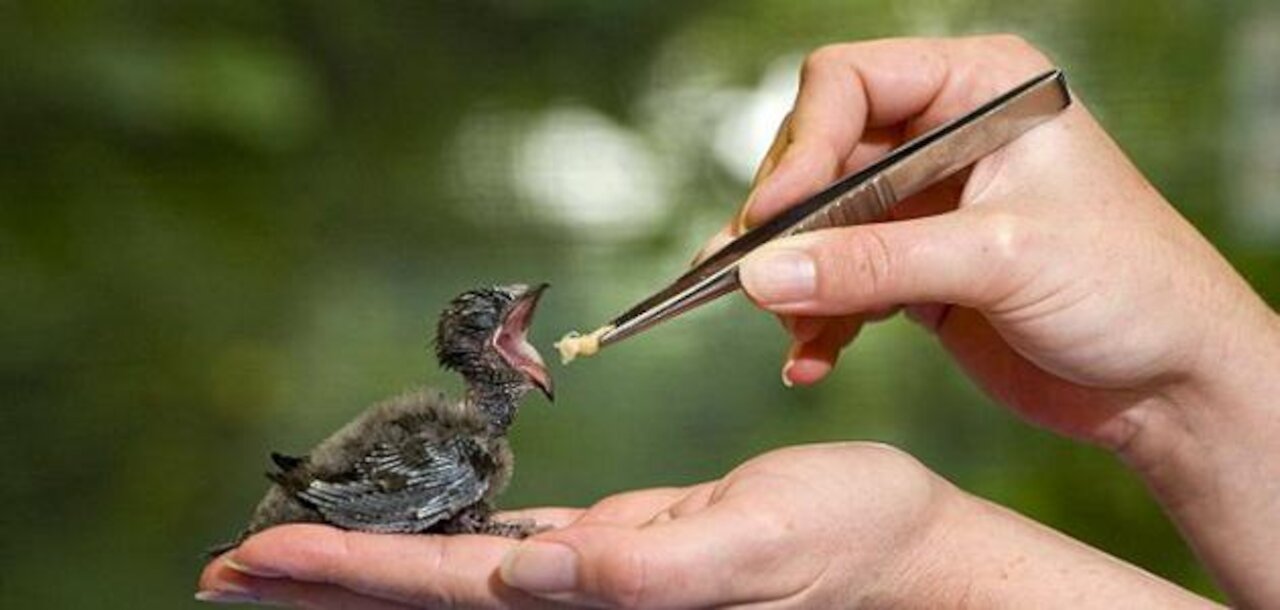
[512, 341]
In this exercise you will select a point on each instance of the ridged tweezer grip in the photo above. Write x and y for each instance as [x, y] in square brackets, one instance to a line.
[867, 203]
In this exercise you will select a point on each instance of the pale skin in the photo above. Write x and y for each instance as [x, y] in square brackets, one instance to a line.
[1077, 297]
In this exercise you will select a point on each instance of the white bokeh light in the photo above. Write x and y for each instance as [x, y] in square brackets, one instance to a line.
[743, 135]
[581, 169]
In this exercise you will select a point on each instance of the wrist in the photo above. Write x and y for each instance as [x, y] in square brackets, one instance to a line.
[978, 554]
[1207, 449]
[1194, 426]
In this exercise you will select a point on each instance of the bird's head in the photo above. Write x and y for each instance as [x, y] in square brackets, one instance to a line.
[482, 335]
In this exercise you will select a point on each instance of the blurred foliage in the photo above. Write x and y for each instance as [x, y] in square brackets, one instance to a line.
[225, 227]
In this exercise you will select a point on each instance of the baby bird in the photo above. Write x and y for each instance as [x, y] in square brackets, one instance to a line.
[421, 462]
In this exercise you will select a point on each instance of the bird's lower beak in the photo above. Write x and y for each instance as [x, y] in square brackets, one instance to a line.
[548, 388]
[512, 342]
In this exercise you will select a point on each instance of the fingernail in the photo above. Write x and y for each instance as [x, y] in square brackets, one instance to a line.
[740, 225]
[225, 597]
[541, 567]
[780, 276]
[793, 352]
[251, 571]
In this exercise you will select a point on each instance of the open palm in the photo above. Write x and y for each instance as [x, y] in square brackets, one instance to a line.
[792, 519]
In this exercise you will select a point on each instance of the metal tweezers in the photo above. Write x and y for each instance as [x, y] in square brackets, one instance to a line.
[862, 197]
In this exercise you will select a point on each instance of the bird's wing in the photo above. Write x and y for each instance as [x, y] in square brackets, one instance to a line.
[405, 488]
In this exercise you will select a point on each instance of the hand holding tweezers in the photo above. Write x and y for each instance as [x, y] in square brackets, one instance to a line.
[861, 197]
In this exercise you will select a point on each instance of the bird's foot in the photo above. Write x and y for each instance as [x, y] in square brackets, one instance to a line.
[516, 528]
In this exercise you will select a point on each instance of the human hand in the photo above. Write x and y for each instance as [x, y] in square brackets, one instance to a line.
[822, 526]
[771, 519]
[1052, 271]
[1078, 292]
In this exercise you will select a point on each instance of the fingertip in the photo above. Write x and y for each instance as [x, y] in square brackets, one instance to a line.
[811, 361]
[779, 278]
[211, 573]
[806, 371]
[219, 583]
[278, 551]
[717, 242]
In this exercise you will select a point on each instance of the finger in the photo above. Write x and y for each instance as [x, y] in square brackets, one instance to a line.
[842, 88]
[696, 561]
[412, 569]
[552, 516]
[635, 507]
[967, 257]
[717, 242]
[698, 498]
[930, 316]
[804, 329]
[847, 88]
[735, 228]
[778, 148]
[220, 582]
[229, 586]
[810, 361]
[875, 143]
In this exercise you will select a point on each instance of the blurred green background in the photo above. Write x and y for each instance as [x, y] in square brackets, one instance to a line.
[226, 227]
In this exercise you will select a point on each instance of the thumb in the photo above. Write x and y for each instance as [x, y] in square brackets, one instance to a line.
[966, 257]
[698, 561]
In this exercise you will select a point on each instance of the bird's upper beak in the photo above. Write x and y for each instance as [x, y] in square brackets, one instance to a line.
[512, 342]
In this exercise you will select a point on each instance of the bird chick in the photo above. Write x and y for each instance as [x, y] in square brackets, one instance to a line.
[421, 462]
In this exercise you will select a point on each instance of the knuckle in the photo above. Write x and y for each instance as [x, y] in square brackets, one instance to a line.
[1007, 238]
[1015, 46]
[887, 458]
[897, 475]
[442, 556]
[993, 63]
[822, 60]
[609, 507]
[898, 478]
[1011, 42]
[1008, 246]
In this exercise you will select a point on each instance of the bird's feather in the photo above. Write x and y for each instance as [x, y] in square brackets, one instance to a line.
[404, 488]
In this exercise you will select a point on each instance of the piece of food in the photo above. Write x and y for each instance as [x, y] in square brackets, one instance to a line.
[574, 344]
